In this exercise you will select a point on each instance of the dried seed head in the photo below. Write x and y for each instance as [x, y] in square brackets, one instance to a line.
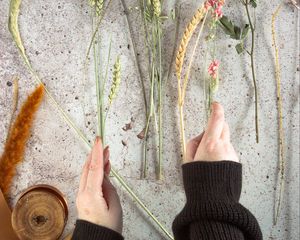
[116, 81]
[98, 5]
[156, 7]
[188, 33]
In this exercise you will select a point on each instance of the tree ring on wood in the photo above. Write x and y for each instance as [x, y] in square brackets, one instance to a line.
[41, 213]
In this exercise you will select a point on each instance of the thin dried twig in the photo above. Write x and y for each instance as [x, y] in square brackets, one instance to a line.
[282, 162]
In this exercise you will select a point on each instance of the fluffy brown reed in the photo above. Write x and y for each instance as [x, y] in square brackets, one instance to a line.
[15, 145]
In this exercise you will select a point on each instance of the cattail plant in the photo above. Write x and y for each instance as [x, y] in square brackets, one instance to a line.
[14, 30]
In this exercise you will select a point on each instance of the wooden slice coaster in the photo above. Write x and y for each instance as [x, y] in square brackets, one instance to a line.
[39, 214]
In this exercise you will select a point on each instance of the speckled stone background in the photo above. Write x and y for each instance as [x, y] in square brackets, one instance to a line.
[56, 36]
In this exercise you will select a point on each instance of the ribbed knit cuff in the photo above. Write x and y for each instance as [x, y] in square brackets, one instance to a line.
[85, 230]
[212, 181]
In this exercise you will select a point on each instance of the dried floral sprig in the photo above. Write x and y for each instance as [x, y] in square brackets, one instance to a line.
[200, 15]
[211, 81]
[15, 145]
[14, 29]
[240, 34]
[282, 161]
[188, 33]
[116, 81]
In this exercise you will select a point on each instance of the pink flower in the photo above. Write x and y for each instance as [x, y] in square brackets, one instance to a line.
[216, 5]
[213, 69]
[218, 11]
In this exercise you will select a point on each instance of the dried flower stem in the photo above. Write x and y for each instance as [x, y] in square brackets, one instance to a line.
[282, 162]
[251, 53]
[190, 29]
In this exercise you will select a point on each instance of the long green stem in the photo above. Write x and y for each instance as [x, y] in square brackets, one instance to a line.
[96, 70]
[149, 117]
[85, 140]
[160, 102]
[94, 35]
[253, 69]
[137, 63]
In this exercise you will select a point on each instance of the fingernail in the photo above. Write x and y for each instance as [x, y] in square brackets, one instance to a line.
[98, 139]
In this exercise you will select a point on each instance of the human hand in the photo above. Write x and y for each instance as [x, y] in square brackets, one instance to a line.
[214, 143]
[97, 199]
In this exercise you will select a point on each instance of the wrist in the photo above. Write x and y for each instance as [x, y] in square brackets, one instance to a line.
[212, 181]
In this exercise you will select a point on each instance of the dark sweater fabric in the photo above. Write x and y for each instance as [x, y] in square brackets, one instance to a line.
[212, 210]
[85, 230]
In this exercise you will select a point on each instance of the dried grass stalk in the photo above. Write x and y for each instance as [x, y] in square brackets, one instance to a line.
[280, 121]
[15, 145]
[188, 33]
[200, 15]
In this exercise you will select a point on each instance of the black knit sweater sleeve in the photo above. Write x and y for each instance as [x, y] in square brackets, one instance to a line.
[85, 230]
[212, 210]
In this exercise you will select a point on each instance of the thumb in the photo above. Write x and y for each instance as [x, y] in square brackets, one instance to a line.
[111, 196]
[192, 147]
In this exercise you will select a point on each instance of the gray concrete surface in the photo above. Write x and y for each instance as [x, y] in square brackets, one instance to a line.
[56, 34]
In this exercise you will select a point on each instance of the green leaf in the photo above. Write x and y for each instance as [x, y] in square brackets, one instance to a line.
[239, 48]
[229, 28]
[237, 32]
[245, 31]
[253, 3]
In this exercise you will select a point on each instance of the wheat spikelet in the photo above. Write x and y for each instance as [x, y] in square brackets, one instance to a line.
[98, 5]
[188, 33]
[116, 81]
[156, 7]
[15, 145]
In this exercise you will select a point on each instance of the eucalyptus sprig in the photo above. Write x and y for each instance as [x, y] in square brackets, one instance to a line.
[240, 34]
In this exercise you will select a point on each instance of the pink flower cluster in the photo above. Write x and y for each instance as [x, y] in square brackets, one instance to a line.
[213, 69]
[217, 5]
